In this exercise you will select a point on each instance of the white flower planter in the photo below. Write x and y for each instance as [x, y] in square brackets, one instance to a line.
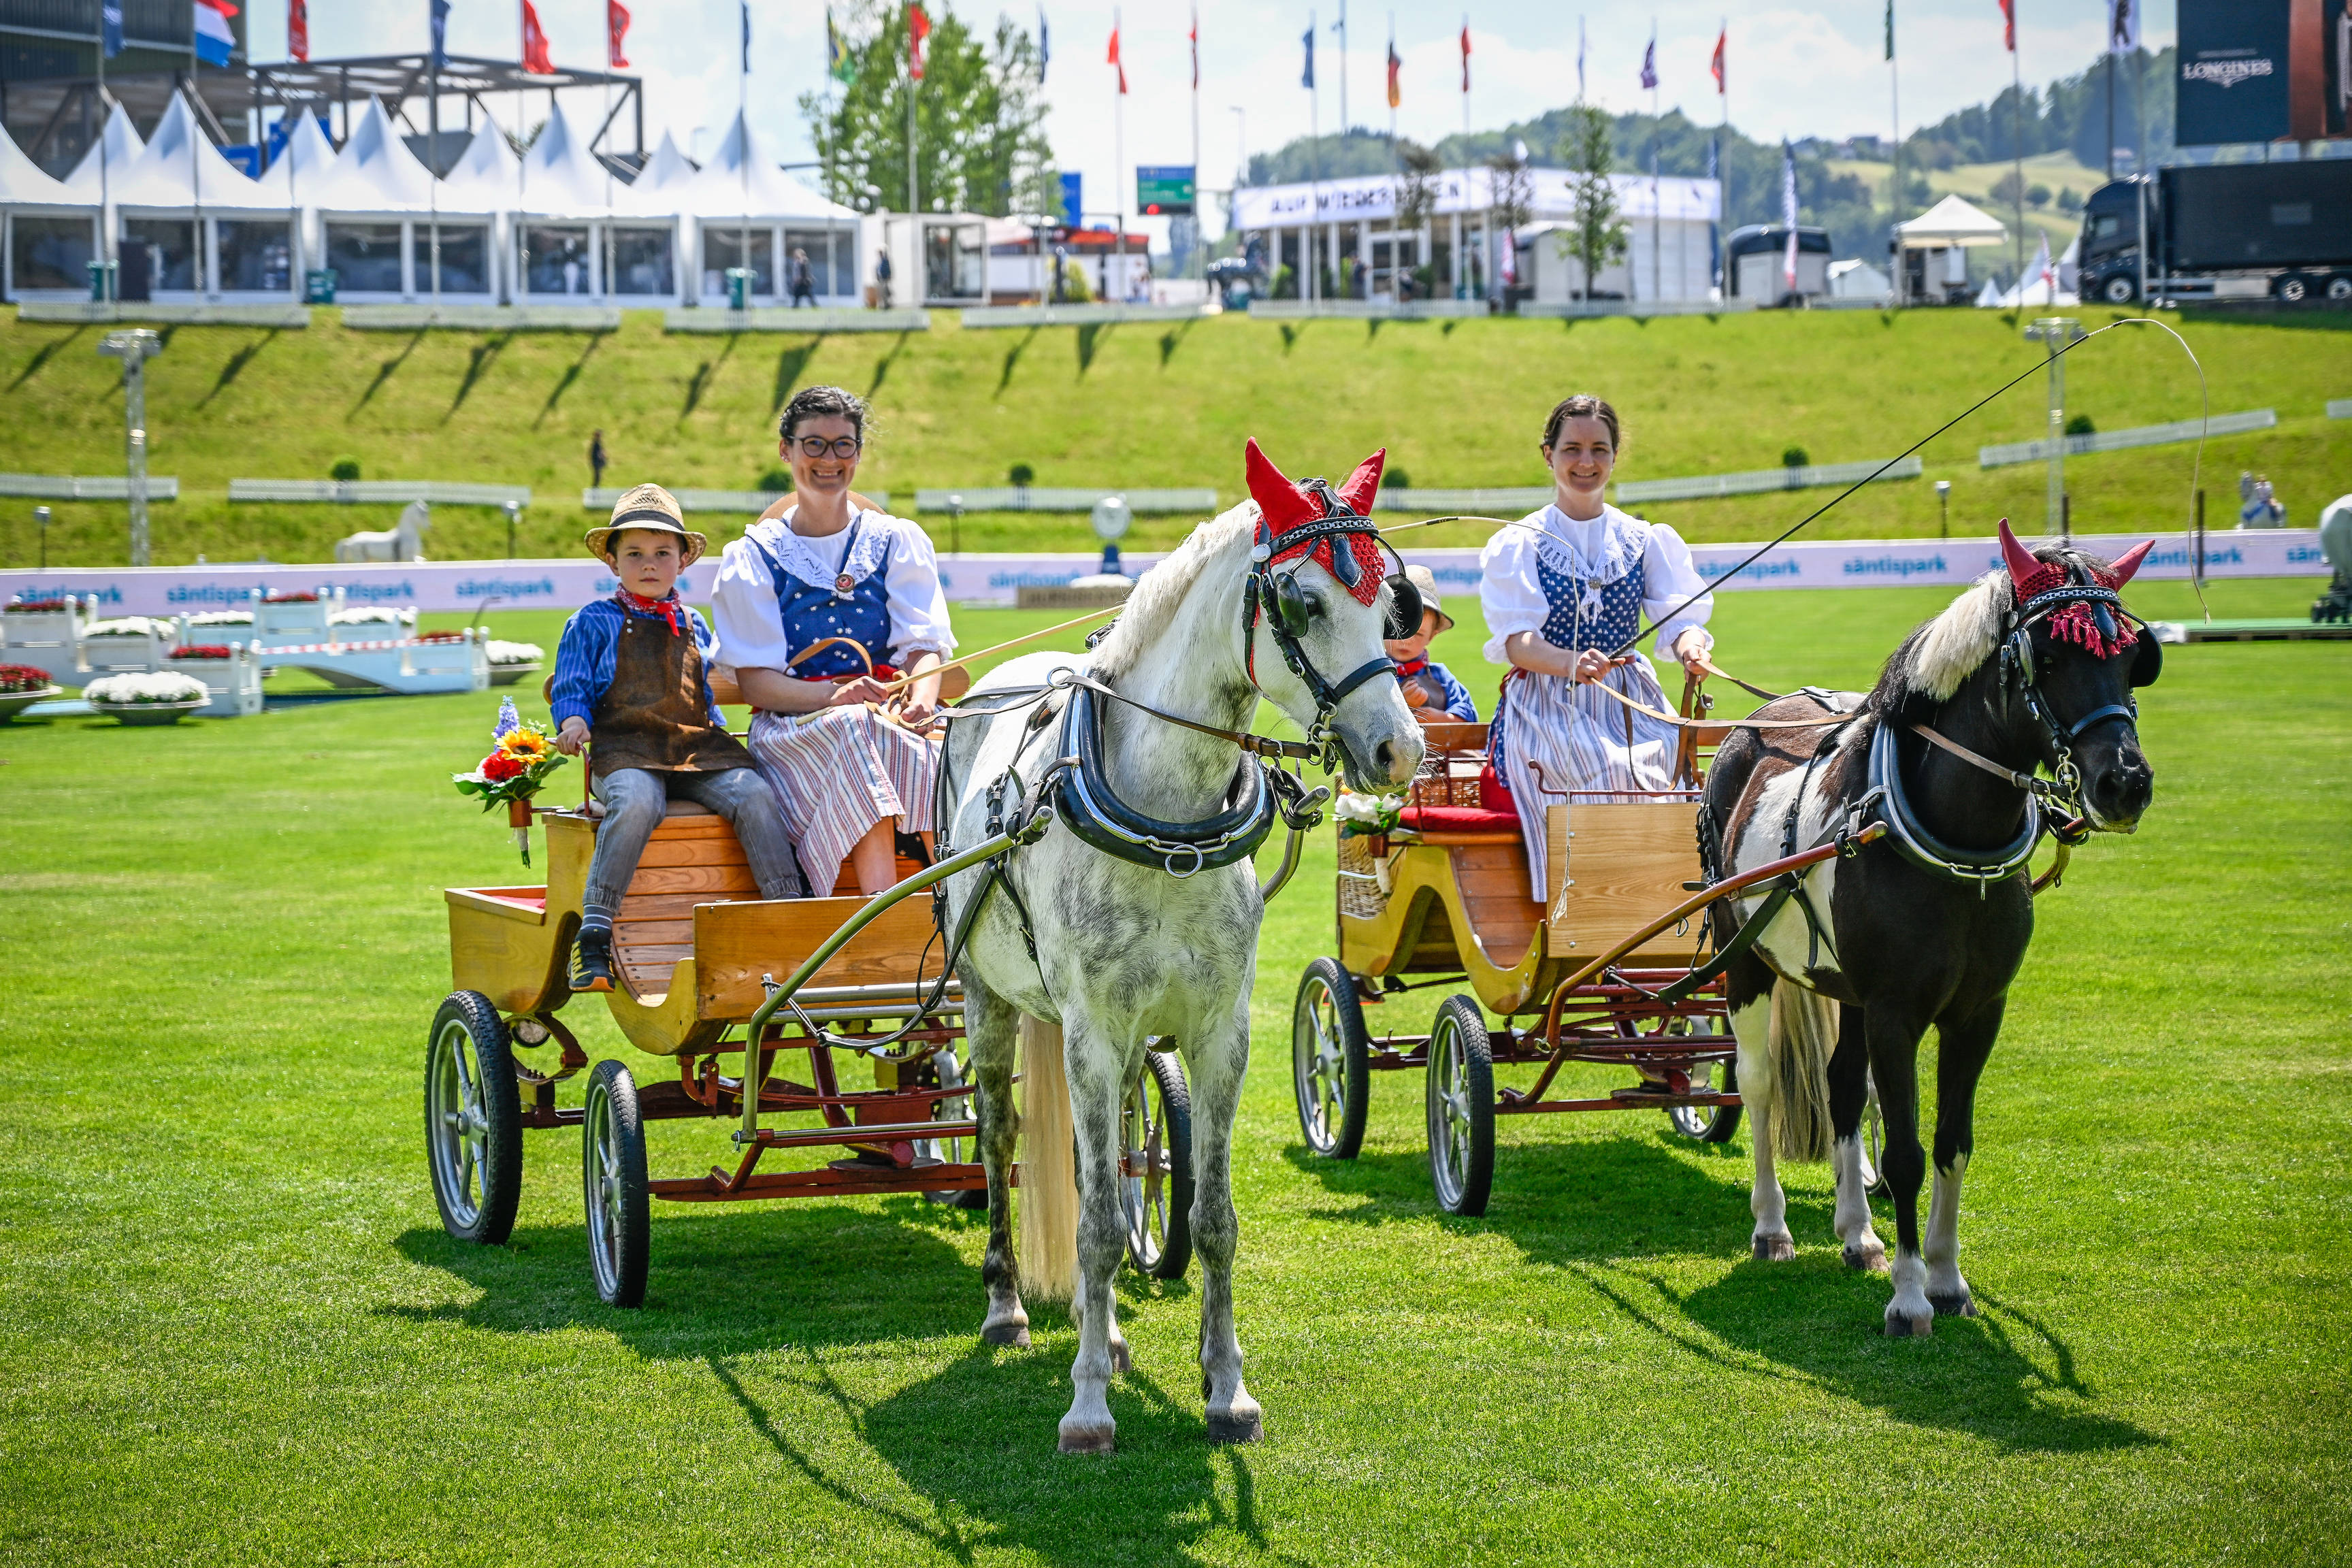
[15, 702]
[140, 715]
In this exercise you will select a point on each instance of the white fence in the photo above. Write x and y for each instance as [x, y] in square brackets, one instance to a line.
[1366, 310]
[2179, 430]
[73, 487]
[1756, 481]
[1040, 498]
[353, 492]
[82, 312]
[783, 319]
[692, 501]
[483, 318]
[976, 317]
[1507, 502]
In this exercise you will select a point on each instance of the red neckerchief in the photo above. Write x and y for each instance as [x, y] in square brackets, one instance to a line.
[666, 607]
[1411, 666]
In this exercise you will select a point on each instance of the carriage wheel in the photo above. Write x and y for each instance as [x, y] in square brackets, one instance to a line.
[1330, 1072]
[613, 1184]
[1708, 1123]
[1155, 1132]
[473, 1120]
[945, 1071]
[1460, 1100]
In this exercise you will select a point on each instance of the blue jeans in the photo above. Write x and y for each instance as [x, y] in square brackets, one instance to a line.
[634, 800]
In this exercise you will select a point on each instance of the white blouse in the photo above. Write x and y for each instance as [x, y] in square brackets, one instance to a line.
[750, 622]
[1595, 550]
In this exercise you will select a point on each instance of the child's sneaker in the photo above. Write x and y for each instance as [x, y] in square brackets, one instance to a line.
[592, 961]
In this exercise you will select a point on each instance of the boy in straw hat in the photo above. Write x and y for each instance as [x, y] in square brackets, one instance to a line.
[631, 682]
[1430, 689]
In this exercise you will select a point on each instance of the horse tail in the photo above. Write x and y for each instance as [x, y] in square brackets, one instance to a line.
[1799, 1040]
[1049, 1167]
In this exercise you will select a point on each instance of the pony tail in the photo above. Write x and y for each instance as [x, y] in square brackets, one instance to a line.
[1049, 1167]
[1802, 1032]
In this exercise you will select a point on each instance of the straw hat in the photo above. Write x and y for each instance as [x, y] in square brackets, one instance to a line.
[1423, 578]
[654, 510]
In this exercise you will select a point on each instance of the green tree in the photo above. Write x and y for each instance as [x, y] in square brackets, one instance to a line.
[980, 139]
[1597, 234]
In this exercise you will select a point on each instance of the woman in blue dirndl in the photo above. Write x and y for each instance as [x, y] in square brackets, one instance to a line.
[818, 604]
[1561, 588]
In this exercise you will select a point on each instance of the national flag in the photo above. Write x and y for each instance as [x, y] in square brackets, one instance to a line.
[534, 43]
[1045, 49]
[1395, 95]
[1717, 64]
[1195, 37]
[1890, 29]
[215, 41]
[2009, 26]
[2043, 272]
[745, 7]
[298, 30]
[1650, 65]
[1789, 215]
[918, 37]
[436, 57]
[837, 63]
[2122, 26]
[616, 27]
[1306, 77]
[110, 26]
[1465, 55]
[1113, 60]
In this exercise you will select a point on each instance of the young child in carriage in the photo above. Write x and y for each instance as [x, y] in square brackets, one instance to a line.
[1430, 689]
[631, 682]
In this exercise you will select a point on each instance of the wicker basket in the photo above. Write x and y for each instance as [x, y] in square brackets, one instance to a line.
[1361, 895]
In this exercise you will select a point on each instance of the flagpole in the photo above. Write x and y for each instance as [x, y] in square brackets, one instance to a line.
[1199, 256]
[1657, 266]
[1311, 261]
[2017, 141]
[1119, 158]
[1895, 113]
[1465, 83]
[1342, 30]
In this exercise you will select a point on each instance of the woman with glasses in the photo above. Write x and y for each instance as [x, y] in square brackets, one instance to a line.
[821, 602]
[1563, 589]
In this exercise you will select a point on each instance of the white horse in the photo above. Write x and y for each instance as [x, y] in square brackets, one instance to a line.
[1124, 952]
[404, 541]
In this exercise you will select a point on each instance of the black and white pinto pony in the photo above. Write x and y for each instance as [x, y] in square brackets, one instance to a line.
[2033, 666]
[1286, 596]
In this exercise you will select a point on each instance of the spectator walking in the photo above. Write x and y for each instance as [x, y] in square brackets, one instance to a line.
[804, 281]
[596, 459]
[882, 278]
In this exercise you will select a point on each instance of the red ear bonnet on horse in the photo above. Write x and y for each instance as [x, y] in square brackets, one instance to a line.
[2098, 632]
[1286, 505]
[2117, 576]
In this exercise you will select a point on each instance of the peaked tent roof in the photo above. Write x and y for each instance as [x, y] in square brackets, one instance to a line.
[309, 158]
[484, 179]
[666, 168]
[180, 167]
[742, 179]
[1952, 221]
[122, 146]
[375, 172]
[21, 180]
[560, 174]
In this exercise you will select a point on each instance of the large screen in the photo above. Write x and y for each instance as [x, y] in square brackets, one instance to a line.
[2263, 71]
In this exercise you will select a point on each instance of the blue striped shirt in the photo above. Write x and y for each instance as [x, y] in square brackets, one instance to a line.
[584, 660]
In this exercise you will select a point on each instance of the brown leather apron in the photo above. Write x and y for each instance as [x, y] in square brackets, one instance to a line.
[652, 716]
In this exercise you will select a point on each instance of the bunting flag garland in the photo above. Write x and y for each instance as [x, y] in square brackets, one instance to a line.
[616, 27]
[1465, 55]
[1395, 96]
[1650, 65]
[215, 42]
[534, 43]
[1113, 60]
[1716, 65]
[2009, 26]
[298, 31]
[918, 36]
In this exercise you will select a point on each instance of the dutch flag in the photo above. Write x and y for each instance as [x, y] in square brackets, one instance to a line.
[215, 42]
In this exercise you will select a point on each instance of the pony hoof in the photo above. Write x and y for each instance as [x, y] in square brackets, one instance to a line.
[1236, 1426]
[1013, 1334]
[1866, 1259]
[1089, 1439]
[1903, 1326]
[1959, 1306]
[1774, 1249]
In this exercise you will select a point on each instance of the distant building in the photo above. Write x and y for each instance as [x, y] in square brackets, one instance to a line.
[50, 39]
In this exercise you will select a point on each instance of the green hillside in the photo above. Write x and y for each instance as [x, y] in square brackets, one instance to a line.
[1458, 403]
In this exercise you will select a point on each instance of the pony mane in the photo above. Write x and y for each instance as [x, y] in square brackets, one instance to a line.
[1941, 654]
[1145, 617]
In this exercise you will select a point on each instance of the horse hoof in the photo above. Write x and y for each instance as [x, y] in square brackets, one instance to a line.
[1013, 1334]
[1235, 1428]
[1866, 1259]
[1774, 1249]
[1901, 1326]
[1089, 1439]
[1960, 1306]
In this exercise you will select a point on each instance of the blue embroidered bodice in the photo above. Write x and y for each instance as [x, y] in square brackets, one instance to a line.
[1611, 612]
[812, 612]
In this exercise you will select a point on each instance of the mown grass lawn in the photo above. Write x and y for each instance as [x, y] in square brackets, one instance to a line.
[232, 1330]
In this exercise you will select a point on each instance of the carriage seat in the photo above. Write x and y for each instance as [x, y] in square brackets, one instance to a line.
[1461, 823]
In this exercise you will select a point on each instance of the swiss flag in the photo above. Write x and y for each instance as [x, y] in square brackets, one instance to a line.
[534, 43]
[616, 27]
[298, 29]
[1113, 59]
[919, 33]
[1716, 65]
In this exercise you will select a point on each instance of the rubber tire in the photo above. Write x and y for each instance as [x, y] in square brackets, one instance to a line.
[502, 1107]
[1175, 1247]
[1346, 1141]
[1459, 1018]
[2339, 287]
[613, 1091]
[2292, 288]
[2119, 290]
[1725, 1120]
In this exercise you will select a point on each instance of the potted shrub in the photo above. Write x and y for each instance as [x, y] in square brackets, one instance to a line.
[146, 700]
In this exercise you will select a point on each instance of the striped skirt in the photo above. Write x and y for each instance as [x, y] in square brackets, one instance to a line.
[836, 772]
[1557, 736]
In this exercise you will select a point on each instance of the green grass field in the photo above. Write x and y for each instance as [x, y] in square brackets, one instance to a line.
[232, 1330]
[1456, 403]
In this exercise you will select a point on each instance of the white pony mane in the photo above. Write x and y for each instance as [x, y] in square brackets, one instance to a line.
[1158, 592]
[1957, 642]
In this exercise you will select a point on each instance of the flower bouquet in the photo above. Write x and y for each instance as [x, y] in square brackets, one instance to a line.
[518, 765]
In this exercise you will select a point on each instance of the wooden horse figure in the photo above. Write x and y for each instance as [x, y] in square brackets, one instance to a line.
[1136, 913]
[2033, 666]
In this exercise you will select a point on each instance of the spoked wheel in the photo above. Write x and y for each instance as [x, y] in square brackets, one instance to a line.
[945, 1071]
[1708, 1123]
[1155, 1135]
[473, 1120]
[613, 1184]
[1330, 1073]
[1461, 1098]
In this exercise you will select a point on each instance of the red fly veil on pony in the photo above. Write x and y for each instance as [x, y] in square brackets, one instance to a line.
[2029, 575]
[1284, 506]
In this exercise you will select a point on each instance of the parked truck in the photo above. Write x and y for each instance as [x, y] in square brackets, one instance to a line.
[2222, 231]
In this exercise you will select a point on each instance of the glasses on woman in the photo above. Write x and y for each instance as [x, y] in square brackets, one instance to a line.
[818, 447]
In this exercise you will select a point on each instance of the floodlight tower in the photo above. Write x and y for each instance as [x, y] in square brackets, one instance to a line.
[2057, 334]
[134, 348]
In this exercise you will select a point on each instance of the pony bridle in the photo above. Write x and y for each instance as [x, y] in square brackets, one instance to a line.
[2090, 613]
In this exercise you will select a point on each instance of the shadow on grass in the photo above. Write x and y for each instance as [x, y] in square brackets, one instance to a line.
[882, 367]
[1013, 359]
[385, 371]
[1090, 339]
[236, 364]
[571, 373]
[789, 362]
[41, 356]
[1597, 1208]
[704, 375]
[478, 360]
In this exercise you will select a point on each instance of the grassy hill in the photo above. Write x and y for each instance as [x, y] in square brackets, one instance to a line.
[2059, 170]
[1458, 403]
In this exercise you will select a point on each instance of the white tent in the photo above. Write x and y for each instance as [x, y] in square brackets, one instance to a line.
[1951, 222]
[484, 179]
[51, 233]
[383, 218]
[645, 236]
[557, 217]
[207, 230]
[666, 171]
[1989, 297]
[117, 146]
[748, 212]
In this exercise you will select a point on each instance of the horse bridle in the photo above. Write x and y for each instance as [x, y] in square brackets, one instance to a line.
[1278, 597]
[2018, 662]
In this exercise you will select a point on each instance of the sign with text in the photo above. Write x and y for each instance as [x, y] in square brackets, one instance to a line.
[2261, 70]
[1166, 190]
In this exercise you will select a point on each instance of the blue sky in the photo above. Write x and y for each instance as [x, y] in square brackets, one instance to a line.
[1796, 69]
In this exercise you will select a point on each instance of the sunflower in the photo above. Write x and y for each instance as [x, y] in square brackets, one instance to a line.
[525, 745]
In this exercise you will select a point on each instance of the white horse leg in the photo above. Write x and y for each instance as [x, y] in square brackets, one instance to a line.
[1216, 1066]
[1096, 1085]
[1853, 1219]
[990, 1030]
[1752, 1023]
[1947, 1291]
